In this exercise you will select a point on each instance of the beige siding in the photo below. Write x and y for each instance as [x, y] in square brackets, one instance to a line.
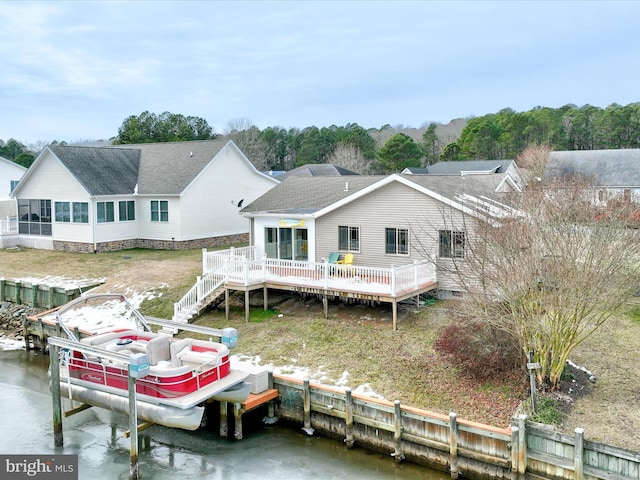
[392, 206]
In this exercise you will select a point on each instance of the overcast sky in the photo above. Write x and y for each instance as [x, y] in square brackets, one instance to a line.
[75, 70]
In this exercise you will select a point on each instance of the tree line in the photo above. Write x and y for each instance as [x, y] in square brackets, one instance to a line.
[501, 135]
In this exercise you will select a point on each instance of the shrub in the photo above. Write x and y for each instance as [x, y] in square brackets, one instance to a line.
[483, 352]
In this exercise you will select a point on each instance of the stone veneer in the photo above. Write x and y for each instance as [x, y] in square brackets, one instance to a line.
[151, 244]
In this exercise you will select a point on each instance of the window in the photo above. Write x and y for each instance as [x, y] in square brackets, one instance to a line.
[127, 210]
[159, 211]
[13, 184]
[105, 212]
[349, 238]
[63, 212]
[452, 244]
[80, 212]
[396, 241]
[34, 217]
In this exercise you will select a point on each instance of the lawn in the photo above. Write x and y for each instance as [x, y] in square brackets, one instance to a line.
[357, 347]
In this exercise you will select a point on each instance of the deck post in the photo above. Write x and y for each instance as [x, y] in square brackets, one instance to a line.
[307, 407]
[578, 454]
[394, 309]
[199, 289]
[271, 408]
[226, 303]
[237, 416]
[453, 445]
[133, 428]
[204, 261]
[522, 446]
[397, 432]
[514, 451]
[348, 418]
[25, 332]
[34, 295]
[325, 306]
[224, 420]
[265, 297]
[54, 365]
[246, 306]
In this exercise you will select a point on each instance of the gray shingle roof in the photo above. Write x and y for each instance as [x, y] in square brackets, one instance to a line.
[607, 168]
[316, 170]
[157, 168]
[169, 167]
[101, 171]
[303, 195]
[456, 167]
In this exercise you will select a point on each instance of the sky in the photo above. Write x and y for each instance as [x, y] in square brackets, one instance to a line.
[75, 70]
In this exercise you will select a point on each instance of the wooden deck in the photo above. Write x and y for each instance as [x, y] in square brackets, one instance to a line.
[387, 285]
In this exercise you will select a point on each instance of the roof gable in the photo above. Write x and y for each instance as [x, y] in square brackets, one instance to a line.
[11, 164]
[100, 171]
[168, 168]
[317, 196]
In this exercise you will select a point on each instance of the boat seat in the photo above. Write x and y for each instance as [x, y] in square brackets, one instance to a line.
[199, 361]
[178, 346]
[158, 349]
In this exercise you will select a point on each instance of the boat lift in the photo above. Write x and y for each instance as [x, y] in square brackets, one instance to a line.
[137, 365]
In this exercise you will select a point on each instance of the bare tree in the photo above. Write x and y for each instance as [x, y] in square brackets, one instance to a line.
[553, 277]
[533, 159]
[247, 137]
[351, 158]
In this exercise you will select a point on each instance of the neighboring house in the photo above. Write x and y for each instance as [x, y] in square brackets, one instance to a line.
[317, 170]
[612, 174]
[472, 167]
[160, 195]
[384, 221]
[10, 175]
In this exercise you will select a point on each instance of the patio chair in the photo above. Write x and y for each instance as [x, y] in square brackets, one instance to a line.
[348, 259]
[333, 257]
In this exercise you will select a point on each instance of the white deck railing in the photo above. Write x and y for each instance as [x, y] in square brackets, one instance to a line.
[240, 267]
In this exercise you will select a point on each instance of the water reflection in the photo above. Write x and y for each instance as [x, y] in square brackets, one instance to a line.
[266, 453]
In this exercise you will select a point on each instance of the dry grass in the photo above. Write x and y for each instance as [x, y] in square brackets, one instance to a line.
[610, 413]
[359, 340]
[357, 343]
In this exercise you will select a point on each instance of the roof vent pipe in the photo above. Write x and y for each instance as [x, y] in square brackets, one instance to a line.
[191, 154]
[346, 187]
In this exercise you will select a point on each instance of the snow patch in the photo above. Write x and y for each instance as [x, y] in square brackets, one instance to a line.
[301, 373]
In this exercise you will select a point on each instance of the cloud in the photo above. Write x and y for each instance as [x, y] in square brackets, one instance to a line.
[306, 63]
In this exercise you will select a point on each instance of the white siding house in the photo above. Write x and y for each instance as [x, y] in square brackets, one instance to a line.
[10, 175]
[162, 195]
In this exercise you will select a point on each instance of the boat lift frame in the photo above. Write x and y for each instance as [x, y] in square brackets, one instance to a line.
[56, 343]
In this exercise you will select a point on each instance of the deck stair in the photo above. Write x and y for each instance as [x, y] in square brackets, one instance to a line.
[209, 287]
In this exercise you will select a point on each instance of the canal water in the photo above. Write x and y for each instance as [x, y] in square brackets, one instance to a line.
[96, 435]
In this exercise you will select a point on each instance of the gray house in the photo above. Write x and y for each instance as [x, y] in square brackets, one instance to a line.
[614, 174]
[381, 221]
